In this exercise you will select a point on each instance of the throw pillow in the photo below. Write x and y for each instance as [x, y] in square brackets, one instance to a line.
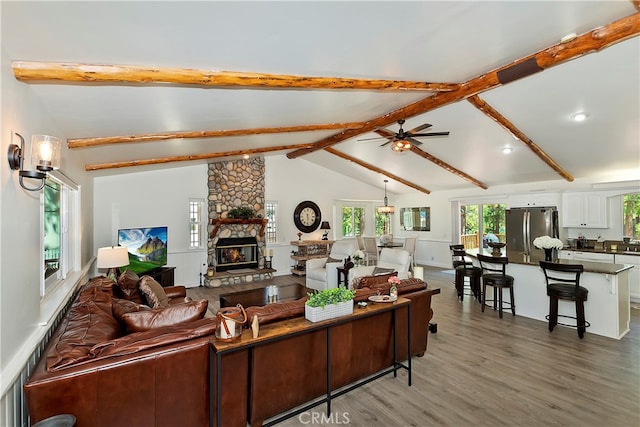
[329, 259]
[140, 321]
[379, 270]
[128, 285]
[123, 306]
[153, 292]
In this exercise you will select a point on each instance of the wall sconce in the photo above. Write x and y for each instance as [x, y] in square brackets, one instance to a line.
[325, 226]
[112, 258]
[45, 155]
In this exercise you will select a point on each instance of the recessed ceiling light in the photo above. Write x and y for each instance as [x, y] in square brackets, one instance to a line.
[579, 117]
[246, 156]
[507, 149]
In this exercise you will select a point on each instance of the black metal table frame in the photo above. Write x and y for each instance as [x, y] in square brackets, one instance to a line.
[329, 395]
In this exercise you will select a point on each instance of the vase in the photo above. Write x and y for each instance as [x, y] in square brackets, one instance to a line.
[548, 255]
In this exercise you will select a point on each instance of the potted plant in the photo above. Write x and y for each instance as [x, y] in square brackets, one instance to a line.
[241, 212]
[328, 304]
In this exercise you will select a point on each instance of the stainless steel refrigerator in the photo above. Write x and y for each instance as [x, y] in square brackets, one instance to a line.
[524, 225]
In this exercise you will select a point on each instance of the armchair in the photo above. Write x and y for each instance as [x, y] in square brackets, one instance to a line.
[397, 259]
[322, 274]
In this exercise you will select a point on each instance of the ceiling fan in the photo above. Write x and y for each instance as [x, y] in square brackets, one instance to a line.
[403, 140]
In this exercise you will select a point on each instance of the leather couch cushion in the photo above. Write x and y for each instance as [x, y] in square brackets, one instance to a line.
[153, 292]
[139, 321]
[122, 306]
[371, 281]
[276, 311]
[88, 322]
[128, 286]
[101, 283]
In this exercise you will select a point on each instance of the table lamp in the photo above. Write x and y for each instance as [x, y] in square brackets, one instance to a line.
[325, 226]
[113, 257]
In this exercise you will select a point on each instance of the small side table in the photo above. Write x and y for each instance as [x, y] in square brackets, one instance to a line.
[343, 272]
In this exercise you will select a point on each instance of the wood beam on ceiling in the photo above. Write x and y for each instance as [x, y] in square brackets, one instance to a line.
[488, 110]
[33, 71]
[375, 169]
[446, 166]
[92, 142]
[589, 42]
[191, 157]
[636, 4]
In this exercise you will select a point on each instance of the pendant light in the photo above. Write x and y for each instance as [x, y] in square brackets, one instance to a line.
[386, 209]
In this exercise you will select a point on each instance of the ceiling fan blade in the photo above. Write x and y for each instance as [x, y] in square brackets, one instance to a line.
[388, 142]
[430, 134]
[413, 141]
[370, 139]
[385, 133]
[419, 128]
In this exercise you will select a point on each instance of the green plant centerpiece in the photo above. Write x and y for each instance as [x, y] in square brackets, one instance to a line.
[241, 212]
[329, 303]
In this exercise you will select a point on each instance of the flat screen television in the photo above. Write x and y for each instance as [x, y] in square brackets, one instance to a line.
[147, 247]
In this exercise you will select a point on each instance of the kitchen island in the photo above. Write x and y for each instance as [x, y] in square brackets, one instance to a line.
[607, 307]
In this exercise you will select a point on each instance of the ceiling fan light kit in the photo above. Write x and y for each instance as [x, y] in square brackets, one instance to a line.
[403, 140]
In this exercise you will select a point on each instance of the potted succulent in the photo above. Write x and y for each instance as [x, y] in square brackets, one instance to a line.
[328, 304]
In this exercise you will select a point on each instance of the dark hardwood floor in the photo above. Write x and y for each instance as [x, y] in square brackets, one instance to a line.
[480, 370]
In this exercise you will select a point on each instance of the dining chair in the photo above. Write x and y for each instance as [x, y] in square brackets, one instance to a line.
[360, 241]
[370, 250]
[410, 246]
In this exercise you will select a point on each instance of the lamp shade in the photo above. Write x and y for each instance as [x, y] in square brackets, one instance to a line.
[112, 257]
[325, 225]
[45, 152]
[386, 209]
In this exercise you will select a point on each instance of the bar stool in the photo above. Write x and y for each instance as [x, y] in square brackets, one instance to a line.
[494, 274]
[464, 269]
[563, 282]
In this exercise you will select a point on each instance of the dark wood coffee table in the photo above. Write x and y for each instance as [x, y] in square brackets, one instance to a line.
[260, 296]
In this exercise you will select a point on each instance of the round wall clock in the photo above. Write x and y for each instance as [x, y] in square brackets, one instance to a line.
[307, 216]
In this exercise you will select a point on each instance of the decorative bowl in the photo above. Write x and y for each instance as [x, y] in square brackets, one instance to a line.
[497, 246]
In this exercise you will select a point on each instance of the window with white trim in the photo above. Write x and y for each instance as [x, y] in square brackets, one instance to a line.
[271, 213]
[59, 227]
[196, 223]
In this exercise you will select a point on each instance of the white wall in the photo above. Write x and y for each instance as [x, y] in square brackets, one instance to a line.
[151, 199]
[20, 303]
[291, 181]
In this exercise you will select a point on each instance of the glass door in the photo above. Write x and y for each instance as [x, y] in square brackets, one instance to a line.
[490, 218]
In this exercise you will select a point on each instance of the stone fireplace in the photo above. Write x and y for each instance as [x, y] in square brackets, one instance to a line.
[232, 184]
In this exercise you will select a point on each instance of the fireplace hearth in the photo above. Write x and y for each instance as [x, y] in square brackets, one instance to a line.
[236, 253]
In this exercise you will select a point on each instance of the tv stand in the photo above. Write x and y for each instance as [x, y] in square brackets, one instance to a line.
[163, 275]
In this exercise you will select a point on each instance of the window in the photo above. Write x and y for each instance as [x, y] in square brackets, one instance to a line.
[196, 226]
[631, 216]
[490, 218]
[353, 221]
[271, 211]
[59, 226]
[383, 223]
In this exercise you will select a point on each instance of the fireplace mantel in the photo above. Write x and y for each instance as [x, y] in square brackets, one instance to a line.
[219, 221]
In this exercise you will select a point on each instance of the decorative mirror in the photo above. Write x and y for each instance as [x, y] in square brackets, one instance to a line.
[415, 219]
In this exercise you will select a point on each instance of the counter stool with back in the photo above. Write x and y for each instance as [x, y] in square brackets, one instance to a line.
[494, 275]
[465, 269]
[563, 283]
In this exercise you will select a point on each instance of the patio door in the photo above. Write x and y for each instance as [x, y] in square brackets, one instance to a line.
[482, 223]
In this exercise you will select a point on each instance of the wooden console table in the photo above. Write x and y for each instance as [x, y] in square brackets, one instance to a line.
[345, 341]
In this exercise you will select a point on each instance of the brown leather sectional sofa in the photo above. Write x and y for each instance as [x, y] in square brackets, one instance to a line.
[164, 373]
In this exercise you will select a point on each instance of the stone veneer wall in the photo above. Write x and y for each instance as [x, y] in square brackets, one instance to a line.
[233, 184]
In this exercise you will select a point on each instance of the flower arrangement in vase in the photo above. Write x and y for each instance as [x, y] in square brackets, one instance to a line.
[358, 256]
[548, 244]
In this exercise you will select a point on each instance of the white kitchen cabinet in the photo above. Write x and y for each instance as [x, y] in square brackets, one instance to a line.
[634, 274]
[593, 256]
[584, 210]
[565, 254]
[532, 200]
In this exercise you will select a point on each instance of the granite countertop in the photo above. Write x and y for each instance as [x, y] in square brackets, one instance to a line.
[589, 266]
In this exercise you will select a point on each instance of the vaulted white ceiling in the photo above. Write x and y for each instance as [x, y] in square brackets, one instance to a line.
[423, 41]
